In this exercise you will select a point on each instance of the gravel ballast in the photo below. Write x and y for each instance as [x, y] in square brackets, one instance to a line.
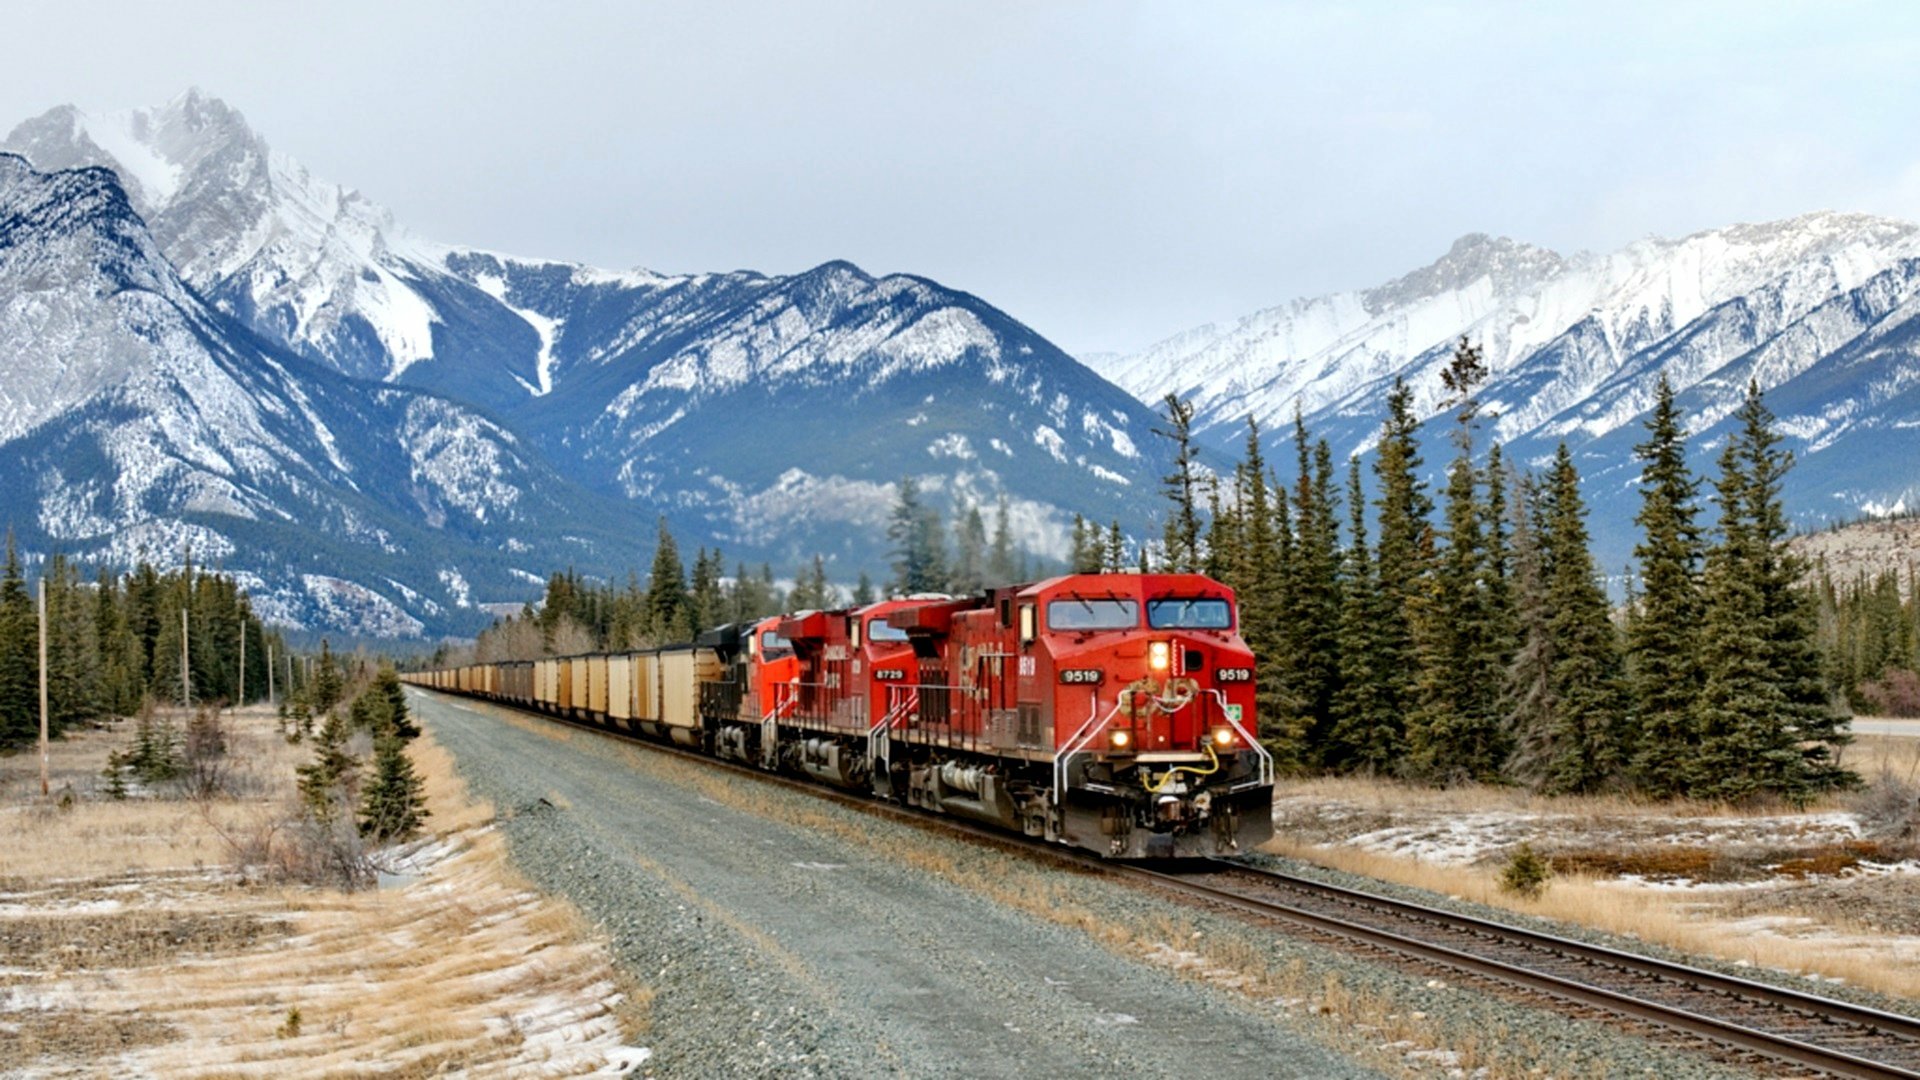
[782, 935]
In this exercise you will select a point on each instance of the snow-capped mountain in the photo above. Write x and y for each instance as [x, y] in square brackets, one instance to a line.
[135, 420]
[1818, 309]
[771, 415]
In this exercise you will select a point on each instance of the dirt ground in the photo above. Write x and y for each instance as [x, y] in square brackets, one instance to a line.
[138, 937]
[1830, 891]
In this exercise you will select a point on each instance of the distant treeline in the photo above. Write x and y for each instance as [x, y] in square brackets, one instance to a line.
[114, 641]
[1871, 636]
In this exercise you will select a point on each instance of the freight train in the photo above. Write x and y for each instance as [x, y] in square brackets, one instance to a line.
[1108, 712]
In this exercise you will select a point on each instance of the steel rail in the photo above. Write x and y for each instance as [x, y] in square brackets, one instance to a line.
[1770, 1044]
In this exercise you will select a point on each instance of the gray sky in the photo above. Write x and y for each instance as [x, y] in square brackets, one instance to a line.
[1108, 173]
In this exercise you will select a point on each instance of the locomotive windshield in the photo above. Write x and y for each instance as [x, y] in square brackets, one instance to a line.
[882, 630]
[1194, 614]
[1082, 614]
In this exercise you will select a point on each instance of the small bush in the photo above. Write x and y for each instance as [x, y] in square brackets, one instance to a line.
[1889, 807]
[1526, 872]
[1894, 693]
[291, 1028]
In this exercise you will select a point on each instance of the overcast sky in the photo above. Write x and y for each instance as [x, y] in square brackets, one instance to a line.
[1108, 173]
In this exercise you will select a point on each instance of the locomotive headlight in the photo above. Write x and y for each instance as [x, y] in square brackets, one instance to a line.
[1159, 656]
[1223, 736]
[1120, 738]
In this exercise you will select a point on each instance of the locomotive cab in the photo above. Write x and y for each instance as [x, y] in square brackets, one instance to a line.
[1149, 690]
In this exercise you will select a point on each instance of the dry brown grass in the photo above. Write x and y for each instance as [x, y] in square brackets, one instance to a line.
[135, 952]
[1672, 918]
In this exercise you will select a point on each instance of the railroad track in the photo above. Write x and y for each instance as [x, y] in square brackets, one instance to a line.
[1837, 1038]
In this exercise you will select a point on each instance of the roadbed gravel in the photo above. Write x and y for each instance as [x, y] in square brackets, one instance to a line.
[783, 935]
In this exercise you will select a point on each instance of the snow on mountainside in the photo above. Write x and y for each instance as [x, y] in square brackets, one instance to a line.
[1818, 309]
[134, 420]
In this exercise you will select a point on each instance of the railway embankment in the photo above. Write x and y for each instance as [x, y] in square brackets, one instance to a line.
[783, 934]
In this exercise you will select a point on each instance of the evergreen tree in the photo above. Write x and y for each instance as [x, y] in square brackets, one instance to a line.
[1367, 728]
[1310, 599]
[669, 617]
[1088, 553]
[1116, 559]
[1224, 556]
[970, 551]
[392, 695]
[1589, 740]
[328, 682]
[812, 591]
[919, 553]
[19, 656]
[707, 602]
[326, 783]
[1404, 551]
[1531, 710]
[1663, 626]
[863, 593]
[394, 804]
[1454, 731]
[1183, 524]
[1000, 565]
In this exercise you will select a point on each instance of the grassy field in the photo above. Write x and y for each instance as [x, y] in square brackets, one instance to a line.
[131, 940]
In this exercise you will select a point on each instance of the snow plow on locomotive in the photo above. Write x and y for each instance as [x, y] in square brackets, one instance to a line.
[1108, 712]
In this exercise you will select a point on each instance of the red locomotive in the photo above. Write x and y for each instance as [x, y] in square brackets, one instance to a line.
[1111, 712]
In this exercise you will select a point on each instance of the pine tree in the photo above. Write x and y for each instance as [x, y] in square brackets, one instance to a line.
[1589, 742]
[1366, 734]
[1116, 557]
[1404, 551]
[392, 695]
[919, 552]
[393, 804]
[1808, 723]
[327, 782]
[1743, 747]
[669, 617]
[1310, 605]
[1528, 702]
[1183, 524]
[707, 602]
[1000, 565]
[863, 593]
[1224, 556]
[1663, 626]
[970, 551]
[328, 683]
[1454, 730]
[19, 657]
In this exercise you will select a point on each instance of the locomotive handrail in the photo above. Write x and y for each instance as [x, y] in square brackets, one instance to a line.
[909, 701]
[1266, 758]
[1078, 745]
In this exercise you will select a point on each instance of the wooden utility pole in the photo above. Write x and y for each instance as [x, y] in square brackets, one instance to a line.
[243, 666]
[269, 673]
[43, 686]
[186, 684]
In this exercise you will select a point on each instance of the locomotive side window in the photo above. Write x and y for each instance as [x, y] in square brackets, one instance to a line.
[1027, 633]
[1194, 614]
[882, 630]
[772, 644]
[1104, 614]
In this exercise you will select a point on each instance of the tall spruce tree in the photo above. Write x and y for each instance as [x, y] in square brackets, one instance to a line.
[1528, 702]
[1588, 737]
[1183, 524]
[1310, 598]
[669, 617]
[1663, 626]
[1454, 730]
[19, 656]
[393, 804]
[1000, 565]
[1404, 553]
[1366, 734]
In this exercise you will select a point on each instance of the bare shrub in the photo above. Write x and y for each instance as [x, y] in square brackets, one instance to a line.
[1889, 807]
[1895, 693]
